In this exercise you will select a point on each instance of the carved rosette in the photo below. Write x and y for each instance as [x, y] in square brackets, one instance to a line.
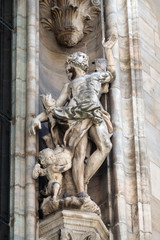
[69, 19]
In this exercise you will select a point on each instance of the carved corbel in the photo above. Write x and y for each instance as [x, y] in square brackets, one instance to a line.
[90, 236]
[68, 19]
[66, 234]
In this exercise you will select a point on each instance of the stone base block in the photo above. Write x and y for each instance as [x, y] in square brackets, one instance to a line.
[73, 225]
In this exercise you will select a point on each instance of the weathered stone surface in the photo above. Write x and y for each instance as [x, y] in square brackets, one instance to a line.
[78, 224]
[155, 180]
[83, 204]
[153, 138]
[155, 215]
[69, 21]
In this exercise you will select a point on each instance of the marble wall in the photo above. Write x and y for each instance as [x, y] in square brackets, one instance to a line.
[137, 23]
[149, 25]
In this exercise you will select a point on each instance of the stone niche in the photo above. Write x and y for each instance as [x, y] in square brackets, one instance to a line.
[53, 55]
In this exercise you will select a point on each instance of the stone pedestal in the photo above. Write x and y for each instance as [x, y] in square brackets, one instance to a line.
[73, 225]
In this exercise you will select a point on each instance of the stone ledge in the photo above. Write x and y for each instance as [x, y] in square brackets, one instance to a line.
[75, 225]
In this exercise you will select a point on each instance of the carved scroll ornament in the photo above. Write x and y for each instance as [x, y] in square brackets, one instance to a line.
[69, 19]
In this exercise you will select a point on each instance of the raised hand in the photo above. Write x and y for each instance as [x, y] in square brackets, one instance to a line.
[110, 42]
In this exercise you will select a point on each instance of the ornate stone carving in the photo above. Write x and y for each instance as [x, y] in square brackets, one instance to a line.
[69, 19]
[90, 236]
[96, 2]
[54, 163]
[70, 225]
[81, 203]
[66, 234]
[77, 120]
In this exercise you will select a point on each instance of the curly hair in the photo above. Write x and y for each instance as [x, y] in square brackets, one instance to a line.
[74, 60]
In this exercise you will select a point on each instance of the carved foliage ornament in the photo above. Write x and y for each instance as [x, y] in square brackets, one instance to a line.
[67, 234]
[69, 19]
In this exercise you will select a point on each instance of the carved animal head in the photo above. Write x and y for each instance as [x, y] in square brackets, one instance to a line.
[77, 59]
[70, 19]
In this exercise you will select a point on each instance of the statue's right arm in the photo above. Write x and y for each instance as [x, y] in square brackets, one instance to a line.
[64, 95]
[38, 171]
[36, 122]
[61, 168]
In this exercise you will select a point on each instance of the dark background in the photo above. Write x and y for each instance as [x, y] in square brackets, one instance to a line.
[6, 23]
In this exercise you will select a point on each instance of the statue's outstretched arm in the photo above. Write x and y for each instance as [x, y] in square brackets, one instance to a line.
[109, 55]
[64, 95]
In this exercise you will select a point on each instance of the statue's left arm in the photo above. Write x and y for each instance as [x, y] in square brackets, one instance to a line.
[109, 55]
[64, 95]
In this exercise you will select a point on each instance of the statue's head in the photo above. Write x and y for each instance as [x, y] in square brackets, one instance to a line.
[46, 157]
[76, 60]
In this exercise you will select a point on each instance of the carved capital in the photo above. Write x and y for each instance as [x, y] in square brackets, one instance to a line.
[69, 20]
[90, 236]
[66, 234]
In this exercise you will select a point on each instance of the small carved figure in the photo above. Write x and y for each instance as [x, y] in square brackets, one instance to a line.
[54, 163]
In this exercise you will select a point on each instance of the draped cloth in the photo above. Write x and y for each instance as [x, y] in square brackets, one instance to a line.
[78, 120]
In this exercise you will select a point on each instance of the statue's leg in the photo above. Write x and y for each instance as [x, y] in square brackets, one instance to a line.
[78, 164]
[100, 136]
[55, 190]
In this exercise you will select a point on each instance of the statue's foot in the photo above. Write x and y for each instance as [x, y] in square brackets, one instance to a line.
[65, 195]
[43, 193]
[82, 195]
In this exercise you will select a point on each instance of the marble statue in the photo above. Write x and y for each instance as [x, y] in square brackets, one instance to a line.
[77, 119]
[54, 163]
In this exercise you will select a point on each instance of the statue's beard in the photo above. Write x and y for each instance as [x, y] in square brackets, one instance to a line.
[71, 70]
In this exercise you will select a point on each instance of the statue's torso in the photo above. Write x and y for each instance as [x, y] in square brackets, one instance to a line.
[52, 176]
[85, 89]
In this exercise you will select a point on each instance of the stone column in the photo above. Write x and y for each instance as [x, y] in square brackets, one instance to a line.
[25, 95]
[19, 58]
[131, 208]
[31, 111]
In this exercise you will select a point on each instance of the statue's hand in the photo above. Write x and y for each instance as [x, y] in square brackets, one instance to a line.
[37, 166]
[36, 171]
[111, 41]
[35, 123]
